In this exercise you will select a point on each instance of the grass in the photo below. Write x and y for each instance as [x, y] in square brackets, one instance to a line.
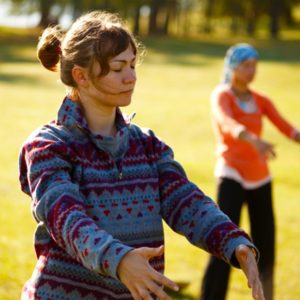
[172, 97]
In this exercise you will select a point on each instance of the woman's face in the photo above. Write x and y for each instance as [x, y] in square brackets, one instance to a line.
[117, 86]
[245, 72]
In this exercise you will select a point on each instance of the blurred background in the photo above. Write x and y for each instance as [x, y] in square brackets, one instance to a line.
[186, 41]
[162, 17]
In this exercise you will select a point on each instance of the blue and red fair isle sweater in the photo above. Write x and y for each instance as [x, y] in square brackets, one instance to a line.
[95, 198]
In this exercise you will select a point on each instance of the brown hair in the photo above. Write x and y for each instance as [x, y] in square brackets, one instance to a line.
[94, 37]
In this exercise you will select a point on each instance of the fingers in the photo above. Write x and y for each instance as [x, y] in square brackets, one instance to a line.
[158, 291]
[247, 261]
[148, 252]
[134, 293]
[164, 281]
[270, 152]
[153, 286]
[257, 290]
[297, 137]
[265, 148]
[142, 280]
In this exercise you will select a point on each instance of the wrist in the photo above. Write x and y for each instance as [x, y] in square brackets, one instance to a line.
[247, 137]
[297, 136]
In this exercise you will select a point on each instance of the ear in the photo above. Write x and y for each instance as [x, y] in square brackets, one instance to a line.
[80, 76]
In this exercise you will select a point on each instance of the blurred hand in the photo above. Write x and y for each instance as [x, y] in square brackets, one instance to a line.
[297, 137]
[140, 278]
[247, 262]
[264, 148]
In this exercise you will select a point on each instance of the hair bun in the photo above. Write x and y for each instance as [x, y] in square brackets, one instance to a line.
[49, 48]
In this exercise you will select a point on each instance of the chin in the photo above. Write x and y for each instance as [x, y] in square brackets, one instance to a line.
[251, 78]
[124, 103]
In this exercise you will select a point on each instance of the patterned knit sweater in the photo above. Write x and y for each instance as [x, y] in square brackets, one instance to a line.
[95, 198]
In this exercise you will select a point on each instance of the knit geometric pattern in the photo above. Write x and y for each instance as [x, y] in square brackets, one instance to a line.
[95, 198]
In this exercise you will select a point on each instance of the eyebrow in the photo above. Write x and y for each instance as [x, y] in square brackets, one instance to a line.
[123, 60]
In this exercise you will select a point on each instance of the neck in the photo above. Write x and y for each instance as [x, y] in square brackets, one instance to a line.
[241, 91]
[240, 88]
[100, 119]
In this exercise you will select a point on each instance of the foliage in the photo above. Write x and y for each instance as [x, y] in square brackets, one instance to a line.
[164, 13]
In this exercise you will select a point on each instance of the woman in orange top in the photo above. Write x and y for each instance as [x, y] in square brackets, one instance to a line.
[242, 164]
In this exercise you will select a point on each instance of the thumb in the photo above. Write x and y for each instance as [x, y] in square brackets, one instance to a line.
[148, 252]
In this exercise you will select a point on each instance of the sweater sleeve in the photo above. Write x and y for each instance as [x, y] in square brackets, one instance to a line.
[188, 211]
[223, 115]
[277, 119]
[45, 174]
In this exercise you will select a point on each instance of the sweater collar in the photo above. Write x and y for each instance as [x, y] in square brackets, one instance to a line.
[71, 116]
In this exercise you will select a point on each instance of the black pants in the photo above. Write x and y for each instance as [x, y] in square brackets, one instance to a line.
[231, 196]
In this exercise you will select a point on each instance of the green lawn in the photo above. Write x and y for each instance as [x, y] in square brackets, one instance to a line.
[172, 97]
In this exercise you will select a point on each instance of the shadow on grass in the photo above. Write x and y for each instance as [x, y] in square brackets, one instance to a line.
[15, 53]
[14, 43]
[184, 51]
[22, 79]
[181, 295]
[19, 47]
[178, 50]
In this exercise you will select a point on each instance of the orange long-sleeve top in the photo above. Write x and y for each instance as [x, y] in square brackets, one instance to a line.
[229, 120]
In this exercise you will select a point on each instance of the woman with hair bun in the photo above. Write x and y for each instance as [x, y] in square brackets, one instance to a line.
[242, 164]
[101, 186]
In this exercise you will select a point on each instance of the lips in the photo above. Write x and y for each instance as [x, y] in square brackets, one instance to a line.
[127, 92]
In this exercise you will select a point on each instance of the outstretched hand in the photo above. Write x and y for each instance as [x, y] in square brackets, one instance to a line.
[263, 147]
[297, 137]
[140, 278]
[248, 264]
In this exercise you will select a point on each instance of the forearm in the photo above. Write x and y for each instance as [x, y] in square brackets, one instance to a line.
[199, 219]
[75, 232]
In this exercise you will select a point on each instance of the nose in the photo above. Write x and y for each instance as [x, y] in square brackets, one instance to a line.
[130, 76]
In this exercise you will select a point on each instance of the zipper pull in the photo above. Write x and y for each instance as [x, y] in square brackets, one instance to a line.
[120, 175]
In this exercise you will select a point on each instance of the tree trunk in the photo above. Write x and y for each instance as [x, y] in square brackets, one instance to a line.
[251, 22]
[45, 7]
[234, 26]
[153, 28]
[209, 5]
[171, 9]
[166, 23]
[274, 17]
[288, 15]
[136, 26]
[77, 8]
[251, 18]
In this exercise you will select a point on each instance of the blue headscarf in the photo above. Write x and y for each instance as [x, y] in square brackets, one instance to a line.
[236, 55]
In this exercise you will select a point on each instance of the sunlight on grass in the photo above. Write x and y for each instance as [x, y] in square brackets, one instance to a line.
[172, 98]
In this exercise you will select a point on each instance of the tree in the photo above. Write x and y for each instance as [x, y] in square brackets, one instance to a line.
[274, 12]
[46, 18]
[209, 6]
[48, 15]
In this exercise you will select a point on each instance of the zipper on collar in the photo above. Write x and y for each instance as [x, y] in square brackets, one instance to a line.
[118, 165]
